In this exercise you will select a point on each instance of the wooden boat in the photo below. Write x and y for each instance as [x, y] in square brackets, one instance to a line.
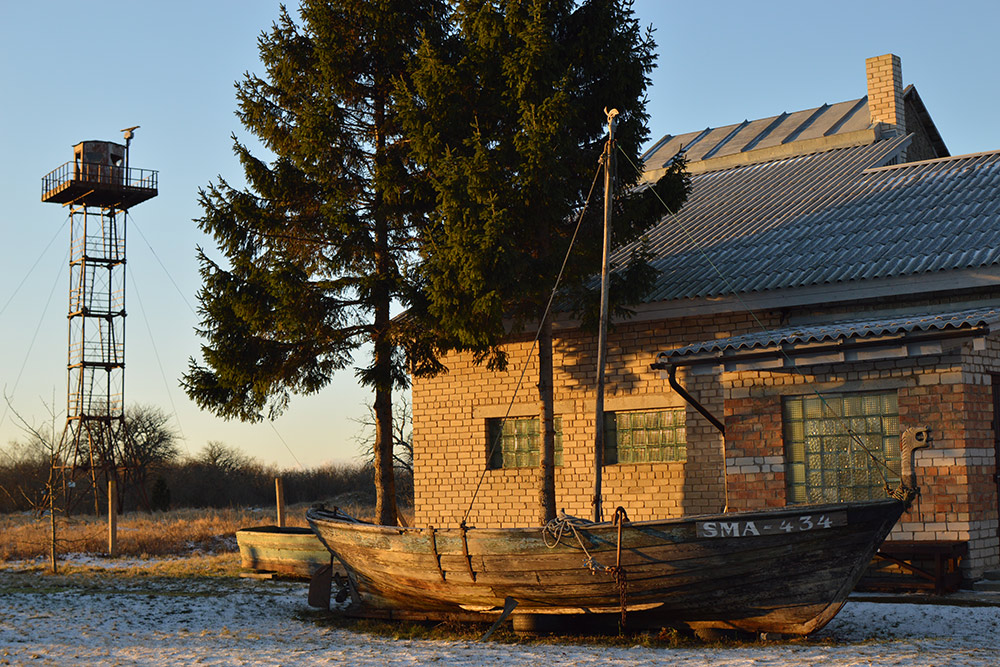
[786, 571]
[287, 551]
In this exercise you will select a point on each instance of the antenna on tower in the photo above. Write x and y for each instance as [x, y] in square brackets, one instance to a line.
[128, 133]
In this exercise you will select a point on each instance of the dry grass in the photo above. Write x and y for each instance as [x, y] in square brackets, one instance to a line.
[142, 534]
[201, 565]
[139, 534]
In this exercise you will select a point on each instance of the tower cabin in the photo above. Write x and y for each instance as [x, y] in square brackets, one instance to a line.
[99, 175]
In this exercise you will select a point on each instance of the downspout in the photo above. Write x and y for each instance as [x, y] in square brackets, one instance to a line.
[675, 385]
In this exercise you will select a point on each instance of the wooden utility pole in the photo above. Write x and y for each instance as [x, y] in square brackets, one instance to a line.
[52, 517]
[112, 518]
[279, 492]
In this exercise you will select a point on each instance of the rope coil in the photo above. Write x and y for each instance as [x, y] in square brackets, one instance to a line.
[552, 535]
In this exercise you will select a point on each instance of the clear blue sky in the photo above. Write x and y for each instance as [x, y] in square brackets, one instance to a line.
[72, 71]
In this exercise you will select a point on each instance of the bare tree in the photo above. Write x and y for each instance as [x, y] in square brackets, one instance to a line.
[41, 446]
[402, 435]
[223, 458]
[24, 473]
[28, 463]
[150, 443]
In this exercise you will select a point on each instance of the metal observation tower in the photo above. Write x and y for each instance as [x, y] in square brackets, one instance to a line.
[99, 187]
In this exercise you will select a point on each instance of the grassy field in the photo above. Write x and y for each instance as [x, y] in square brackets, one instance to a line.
[185, 532]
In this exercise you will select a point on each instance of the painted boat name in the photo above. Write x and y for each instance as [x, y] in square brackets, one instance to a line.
[799, 524]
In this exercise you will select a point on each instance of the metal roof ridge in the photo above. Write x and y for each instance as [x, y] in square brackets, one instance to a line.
[795, 149]
[715, 149]
[794, 134]
[694, 141]
[921, 163]
[778, 120]
[857, 106]
[655, 147]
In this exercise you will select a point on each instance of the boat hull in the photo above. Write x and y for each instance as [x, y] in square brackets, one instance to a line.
[289, 551]
[785, 571]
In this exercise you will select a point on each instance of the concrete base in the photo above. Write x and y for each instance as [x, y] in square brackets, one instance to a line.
[990, 583]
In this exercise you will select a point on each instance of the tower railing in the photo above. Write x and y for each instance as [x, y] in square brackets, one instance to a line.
[96, 353]
[101, 175]
[99, 248]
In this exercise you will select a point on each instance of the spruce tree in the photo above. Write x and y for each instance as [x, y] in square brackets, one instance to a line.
[318, 245]
[507, 118]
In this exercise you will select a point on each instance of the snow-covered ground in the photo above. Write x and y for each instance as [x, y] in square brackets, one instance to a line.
[155, 621]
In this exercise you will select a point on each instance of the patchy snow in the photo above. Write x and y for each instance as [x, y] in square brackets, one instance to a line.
[113, 620]
[93, 561]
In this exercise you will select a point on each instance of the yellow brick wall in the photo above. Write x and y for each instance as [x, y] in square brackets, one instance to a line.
[450, 439]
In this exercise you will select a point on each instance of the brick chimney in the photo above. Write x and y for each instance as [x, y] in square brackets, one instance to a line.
[885, 92]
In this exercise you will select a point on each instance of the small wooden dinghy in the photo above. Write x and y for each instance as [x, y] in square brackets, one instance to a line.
[286, 551]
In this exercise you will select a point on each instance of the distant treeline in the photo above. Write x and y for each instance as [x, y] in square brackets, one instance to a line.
[218, 476]
[153, 474]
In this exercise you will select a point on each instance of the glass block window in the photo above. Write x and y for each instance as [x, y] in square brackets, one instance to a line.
[826, 441]
[516, 442]
[641, 437]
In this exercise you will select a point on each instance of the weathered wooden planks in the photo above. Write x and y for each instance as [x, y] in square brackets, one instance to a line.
[288, 551]
[783, 571]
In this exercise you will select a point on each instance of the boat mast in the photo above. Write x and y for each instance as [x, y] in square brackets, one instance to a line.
[602, 336]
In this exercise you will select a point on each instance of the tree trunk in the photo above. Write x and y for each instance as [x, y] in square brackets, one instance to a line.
[547, 468]
[385, 480]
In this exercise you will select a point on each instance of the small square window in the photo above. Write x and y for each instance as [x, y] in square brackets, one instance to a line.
[516, 442]
[642, 437]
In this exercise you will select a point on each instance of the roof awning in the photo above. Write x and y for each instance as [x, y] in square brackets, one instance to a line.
[882, 337]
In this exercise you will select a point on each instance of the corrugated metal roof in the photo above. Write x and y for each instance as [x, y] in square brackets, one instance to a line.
[824, 121]
[859, 328]
[828, 217]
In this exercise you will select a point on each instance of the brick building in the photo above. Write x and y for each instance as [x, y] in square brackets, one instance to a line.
[833, 271]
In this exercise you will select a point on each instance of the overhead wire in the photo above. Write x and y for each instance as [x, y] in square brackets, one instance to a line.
[173, 282]
[156, 354]
[162, 265]
[273, 428]
[763, 328]
[33, 266]
[10, 300]
[538, 333]
[34, 336]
